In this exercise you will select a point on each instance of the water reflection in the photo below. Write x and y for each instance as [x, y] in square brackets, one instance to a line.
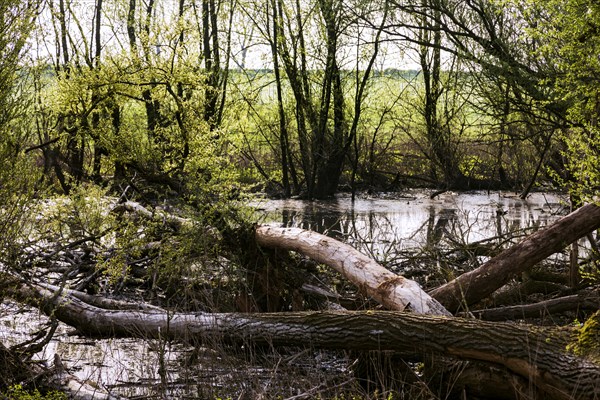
[385, 228]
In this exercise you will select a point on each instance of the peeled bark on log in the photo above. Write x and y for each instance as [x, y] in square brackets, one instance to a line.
[535, 353]
[390, 290]
[475, 285]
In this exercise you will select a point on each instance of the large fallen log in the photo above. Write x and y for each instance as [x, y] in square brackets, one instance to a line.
[537, 354]
[392, 291]
[588, 300]
[479, 283]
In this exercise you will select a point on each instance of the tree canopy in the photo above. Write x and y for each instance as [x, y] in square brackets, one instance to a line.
[302, 97]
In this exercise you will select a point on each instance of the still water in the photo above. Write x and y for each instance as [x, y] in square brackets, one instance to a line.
[386, 228]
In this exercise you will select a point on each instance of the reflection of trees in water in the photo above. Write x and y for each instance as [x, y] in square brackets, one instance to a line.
[424, 238]
[314, 218]
[437, 229]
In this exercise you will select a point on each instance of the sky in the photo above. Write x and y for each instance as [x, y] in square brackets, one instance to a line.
[257, 54]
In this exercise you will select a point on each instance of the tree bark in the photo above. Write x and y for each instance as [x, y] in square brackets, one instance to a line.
[392, 291]
[576, 302]
[535, 353]
[283, 133]
[475, 285]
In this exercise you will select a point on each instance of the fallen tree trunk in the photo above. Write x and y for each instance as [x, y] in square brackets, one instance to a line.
[475, 285]
[539, 355]
[575, 302]
[392, 291]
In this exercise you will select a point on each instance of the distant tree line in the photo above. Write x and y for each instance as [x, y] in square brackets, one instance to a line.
[303, 98]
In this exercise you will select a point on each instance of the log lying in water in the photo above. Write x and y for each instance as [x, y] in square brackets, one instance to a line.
[392, 291]
[536, 354]
[475, 285]
[586, 300]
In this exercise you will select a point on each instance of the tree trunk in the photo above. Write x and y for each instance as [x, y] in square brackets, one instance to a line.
[392, 291]
[475, 285]
[283, 134]
[537, 354]
[210, 48]
[583, 301]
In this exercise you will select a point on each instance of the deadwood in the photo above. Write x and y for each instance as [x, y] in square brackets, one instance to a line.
[475, 285]
[588, 300]
[173, 221]
[536, 354]
[392, 291]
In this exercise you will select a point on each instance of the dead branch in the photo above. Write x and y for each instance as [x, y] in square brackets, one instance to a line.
[475, 285]
[534, 353]
[589, 300]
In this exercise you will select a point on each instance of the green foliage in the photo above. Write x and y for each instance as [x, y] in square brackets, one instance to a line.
[17, 170]
[583, 158]
[587, 342]
[570, 38]
[126, 242]
[470, 165]
[84, 213]
[17, 392]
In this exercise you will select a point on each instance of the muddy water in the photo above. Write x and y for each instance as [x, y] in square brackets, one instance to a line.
[385, 227]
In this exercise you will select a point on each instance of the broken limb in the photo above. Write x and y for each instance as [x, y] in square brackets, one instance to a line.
[475, 285]
[537, 354]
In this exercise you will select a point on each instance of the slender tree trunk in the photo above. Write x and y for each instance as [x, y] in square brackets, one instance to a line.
[298, 76]
[115, 117]
[210, 48]
[99, 149]
[442, 154]
[224, 71]
[63, 34]
[178, 96]
[75, 140]
[283, 134]
[131, 28]
[151, 106]
[329, 142]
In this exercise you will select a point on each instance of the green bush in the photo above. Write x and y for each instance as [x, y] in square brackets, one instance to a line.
[17, 392]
